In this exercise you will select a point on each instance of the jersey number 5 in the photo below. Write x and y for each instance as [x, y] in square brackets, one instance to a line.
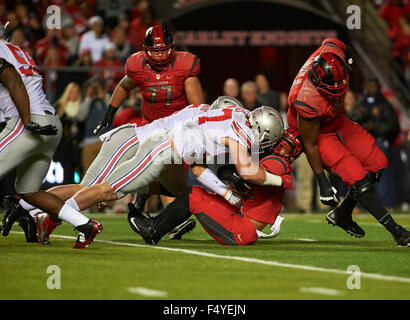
[154, 90]
[29, 67]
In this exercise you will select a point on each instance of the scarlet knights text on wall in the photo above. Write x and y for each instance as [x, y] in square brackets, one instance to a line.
[255, 38]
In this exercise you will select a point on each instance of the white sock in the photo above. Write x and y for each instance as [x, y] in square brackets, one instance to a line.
[72, 216]
[26, 206]
[33, 212]
[73, 204]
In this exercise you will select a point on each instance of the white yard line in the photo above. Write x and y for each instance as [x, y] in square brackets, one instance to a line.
[305, 239]
[148, 292]
[325, 291]
[374, 276]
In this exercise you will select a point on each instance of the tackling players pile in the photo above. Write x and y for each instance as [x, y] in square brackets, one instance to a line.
[240, 197]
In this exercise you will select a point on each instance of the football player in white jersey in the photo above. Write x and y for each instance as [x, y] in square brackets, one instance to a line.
[226, 130]
[27, 143]
[119, 145]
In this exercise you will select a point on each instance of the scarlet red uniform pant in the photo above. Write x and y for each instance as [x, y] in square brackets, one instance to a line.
[220, 219]
[350, 152]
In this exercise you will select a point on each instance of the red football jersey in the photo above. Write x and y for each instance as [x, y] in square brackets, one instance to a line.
[306, 101]
[264, 203]
[163, 92]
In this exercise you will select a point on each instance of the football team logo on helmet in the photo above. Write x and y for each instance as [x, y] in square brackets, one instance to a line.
[159, 47]
[330, 75]
[289, 146]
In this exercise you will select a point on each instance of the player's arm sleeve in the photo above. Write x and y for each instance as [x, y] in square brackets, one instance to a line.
[305, 110]
[11, 79]
[209, 179]
[131, 68]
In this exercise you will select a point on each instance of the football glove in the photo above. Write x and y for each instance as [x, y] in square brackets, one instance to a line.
[48, 130]
[286, 181]
[328, 193]
[107, 121]
[233, 198]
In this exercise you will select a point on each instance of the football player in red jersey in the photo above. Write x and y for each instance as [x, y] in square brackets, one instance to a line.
[223, 221]
[330, 139]
[168, 80]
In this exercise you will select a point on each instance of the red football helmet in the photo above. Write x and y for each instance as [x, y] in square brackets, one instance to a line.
[330, 75]
[159, 47]
[289, 146]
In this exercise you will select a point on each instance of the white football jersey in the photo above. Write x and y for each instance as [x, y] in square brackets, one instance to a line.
[32, 80]
[201, 136]
[167, 123]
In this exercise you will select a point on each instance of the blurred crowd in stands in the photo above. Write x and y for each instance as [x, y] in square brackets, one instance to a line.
[397, 15]
[104, 33]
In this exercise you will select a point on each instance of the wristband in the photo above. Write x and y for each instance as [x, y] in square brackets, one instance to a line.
[211, 181]
[111, 111]
[272, 180]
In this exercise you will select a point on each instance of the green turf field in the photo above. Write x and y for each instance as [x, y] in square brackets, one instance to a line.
[308, 260]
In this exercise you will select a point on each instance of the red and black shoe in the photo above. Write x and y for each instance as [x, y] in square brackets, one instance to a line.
[45, 227]
[86, 233]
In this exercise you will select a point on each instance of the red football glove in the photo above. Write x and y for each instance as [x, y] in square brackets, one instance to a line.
[286, 181]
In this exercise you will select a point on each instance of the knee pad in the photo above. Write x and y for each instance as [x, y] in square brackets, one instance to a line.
[359, 188]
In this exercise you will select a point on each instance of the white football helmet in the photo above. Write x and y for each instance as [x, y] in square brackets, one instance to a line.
[225, 101]
[268, 124]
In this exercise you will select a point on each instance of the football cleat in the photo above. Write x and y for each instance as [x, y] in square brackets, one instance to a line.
[335, 218]
[29, 226]
[86, 233]
[143, 226]
[180, 230]
[14, 211]
[45, 227]
[402, 236]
